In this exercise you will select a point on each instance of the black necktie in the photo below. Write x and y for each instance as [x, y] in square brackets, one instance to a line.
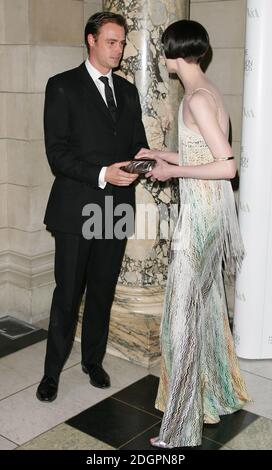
[109, 97]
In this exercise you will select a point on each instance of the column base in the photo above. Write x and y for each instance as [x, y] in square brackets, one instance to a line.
[135, 324]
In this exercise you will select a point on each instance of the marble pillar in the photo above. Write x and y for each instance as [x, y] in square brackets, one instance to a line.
[136, 312]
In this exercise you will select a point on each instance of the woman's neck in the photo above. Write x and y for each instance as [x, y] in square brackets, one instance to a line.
[191, 76]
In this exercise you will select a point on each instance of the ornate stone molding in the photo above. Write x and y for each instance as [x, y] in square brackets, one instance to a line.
[26, 271]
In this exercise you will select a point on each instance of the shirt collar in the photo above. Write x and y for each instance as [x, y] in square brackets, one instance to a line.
[95, 74]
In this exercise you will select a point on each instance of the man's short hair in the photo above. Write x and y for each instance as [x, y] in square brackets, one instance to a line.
[96, 21]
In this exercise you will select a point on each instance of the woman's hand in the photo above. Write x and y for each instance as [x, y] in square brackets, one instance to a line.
[161, 172]
[146, 153]
[158, 155]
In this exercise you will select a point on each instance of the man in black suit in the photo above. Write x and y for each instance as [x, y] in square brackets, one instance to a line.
[93, 126]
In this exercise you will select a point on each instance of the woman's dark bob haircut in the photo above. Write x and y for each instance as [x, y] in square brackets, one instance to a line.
[186, 39]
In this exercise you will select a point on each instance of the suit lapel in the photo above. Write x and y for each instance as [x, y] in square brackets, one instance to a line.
[93, 92]
[119, 95]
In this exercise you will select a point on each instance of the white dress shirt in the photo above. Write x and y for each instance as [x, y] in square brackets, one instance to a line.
[95, 74]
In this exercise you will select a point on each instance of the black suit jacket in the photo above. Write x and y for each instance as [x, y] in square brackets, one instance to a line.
[81, 138]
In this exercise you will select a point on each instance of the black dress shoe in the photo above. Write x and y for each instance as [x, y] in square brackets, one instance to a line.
[47, 390]
[98, 376]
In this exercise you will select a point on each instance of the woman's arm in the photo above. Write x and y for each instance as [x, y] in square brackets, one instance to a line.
[209, 171]
[170, 157]
[205, 116]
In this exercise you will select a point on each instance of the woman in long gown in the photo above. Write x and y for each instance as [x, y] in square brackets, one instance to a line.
[200, 377]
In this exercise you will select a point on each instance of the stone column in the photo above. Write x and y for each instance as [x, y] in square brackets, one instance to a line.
[38, 38]
[135, 317]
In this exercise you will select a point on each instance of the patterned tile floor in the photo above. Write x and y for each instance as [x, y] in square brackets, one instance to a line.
[122, 417]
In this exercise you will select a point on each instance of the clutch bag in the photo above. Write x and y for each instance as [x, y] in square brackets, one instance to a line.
[139, 166]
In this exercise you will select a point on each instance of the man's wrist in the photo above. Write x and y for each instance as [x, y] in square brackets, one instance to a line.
[101, 179]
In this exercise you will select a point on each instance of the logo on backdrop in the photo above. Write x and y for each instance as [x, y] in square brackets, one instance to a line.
[244, 159]
[249, 63]
[248, 113]
[240, 296]
[253, 13]
[244, 206]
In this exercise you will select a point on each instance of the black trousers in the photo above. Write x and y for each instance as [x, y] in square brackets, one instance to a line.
[79, 263]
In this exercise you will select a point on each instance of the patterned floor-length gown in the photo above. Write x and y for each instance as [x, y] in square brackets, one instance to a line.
[200, 376]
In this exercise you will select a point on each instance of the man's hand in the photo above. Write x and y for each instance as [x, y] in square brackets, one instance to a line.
[118, 177]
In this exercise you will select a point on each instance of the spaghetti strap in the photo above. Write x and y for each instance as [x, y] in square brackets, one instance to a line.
[208, 91]
[212, 95]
